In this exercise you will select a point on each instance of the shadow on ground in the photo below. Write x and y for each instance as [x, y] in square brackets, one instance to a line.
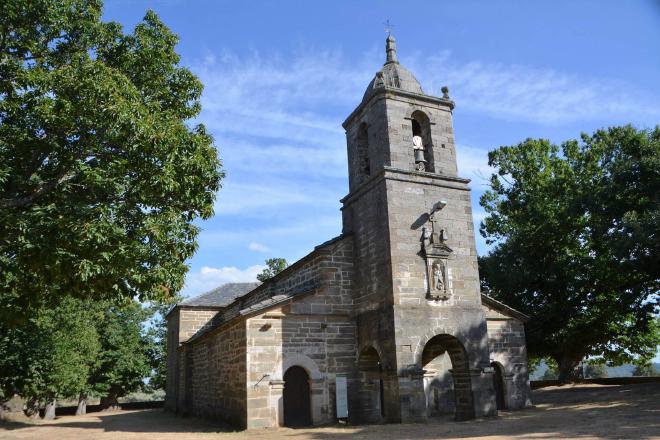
[584, 411]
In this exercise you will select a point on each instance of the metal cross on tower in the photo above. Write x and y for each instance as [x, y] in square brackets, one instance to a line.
[388, 27]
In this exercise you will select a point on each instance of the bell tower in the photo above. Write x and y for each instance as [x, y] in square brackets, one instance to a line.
[416, 292]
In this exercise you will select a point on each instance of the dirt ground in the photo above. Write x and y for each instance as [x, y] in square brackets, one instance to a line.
[581, 411]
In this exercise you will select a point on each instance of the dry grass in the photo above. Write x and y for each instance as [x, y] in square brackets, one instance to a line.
[582, 411]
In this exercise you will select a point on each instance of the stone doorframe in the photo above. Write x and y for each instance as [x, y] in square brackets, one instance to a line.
[317, 387]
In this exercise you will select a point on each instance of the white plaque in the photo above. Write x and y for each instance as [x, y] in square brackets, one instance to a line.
[341, 397]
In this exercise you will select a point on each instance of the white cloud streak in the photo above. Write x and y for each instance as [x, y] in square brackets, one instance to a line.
[258, 247]
[208, 278]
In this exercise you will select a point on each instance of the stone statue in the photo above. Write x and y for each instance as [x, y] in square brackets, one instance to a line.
[438, 277]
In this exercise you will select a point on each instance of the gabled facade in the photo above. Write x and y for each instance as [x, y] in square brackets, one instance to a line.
[386, 322]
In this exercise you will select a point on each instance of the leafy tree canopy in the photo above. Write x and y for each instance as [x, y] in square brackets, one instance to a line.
[123, 360]
[51, 354]
[101, 172]
[647, 369]
[273, 267]
[576, 234]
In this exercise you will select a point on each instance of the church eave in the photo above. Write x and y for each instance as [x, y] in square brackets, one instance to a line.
[503, 308]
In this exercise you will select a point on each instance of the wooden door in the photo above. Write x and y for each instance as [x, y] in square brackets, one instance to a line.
[297, 408]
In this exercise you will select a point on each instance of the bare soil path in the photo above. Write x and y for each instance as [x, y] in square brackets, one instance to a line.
[581, 411]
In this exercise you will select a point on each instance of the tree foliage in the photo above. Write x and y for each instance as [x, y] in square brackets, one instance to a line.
[51, 355]
[273, 267]
[123, 360]
[157, 337]
[595, 370]
[646, 369]
[576, 235]
[101, 173]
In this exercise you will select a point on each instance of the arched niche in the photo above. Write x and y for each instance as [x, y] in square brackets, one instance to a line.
[421, 126]
[371, 386]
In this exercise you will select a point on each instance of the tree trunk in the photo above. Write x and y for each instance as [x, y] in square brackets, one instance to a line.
[568, 369]
[110, 403]
[51, 402]
[82, 405]
[32, 408]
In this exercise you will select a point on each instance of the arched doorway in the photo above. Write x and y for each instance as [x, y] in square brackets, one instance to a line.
[457, 383]
[498, 384]
[296, 396]
[371, 386]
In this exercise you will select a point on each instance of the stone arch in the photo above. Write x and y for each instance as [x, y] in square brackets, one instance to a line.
[438, 345]
[371, 393]
[287, 361]
[421, 126]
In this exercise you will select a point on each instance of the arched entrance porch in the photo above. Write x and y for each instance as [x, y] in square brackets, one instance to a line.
[448, 378]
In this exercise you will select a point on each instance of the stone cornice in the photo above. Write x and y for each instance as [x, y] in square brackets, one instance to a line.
[418, 177]
[385, 91]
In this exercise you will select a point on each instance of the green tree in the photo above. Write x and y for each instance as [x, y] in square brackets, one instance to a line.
[576, 244]
[50, 356]
[157, 337]
[273, 267]
[102, 173]
[646, 369]
[595, 371]
[123, 361]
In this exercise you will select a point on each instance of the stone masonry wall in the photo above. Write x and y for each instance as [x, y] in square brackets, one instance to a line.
[214, 374]
[194, 320]
[171, 383]
[506, 340]
[315, 332]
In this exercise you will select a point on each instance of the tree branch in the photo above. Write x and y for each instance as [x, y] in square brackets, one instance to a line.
[21, 202]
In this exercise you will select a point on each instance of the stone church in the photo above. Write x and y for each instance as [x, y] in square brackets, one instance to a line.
[384, 323]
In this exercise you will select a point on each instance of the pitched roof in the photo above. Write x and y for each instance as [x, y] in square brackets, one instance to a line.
[220, 296]
[503, 308]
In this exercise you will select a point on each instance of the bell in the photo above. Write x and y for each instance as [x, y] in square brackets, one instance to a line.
[419, 156]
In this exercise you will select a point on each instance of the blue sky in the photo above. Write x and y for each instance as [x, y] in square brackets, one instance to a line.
[281, 76]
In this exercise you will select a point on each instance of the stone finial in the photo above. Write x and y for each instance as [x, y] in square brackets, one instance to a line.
[445, 92]
[390, 48]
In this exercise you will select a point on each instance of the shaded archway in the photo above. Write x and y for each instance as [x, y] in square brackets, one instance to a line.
[296, 396]
[371, 387]
[461, 385]
[498, 384]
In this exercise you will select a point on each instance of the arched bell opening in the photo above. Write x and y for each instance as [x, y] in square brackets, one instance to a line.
[447, 380]
[371, 386]
[422, 142]
[498, 384]
[297, 398]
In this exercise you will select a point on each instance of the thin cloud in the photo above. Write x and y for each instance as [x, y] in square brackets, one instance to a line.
[258, 247]
[208, 278]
